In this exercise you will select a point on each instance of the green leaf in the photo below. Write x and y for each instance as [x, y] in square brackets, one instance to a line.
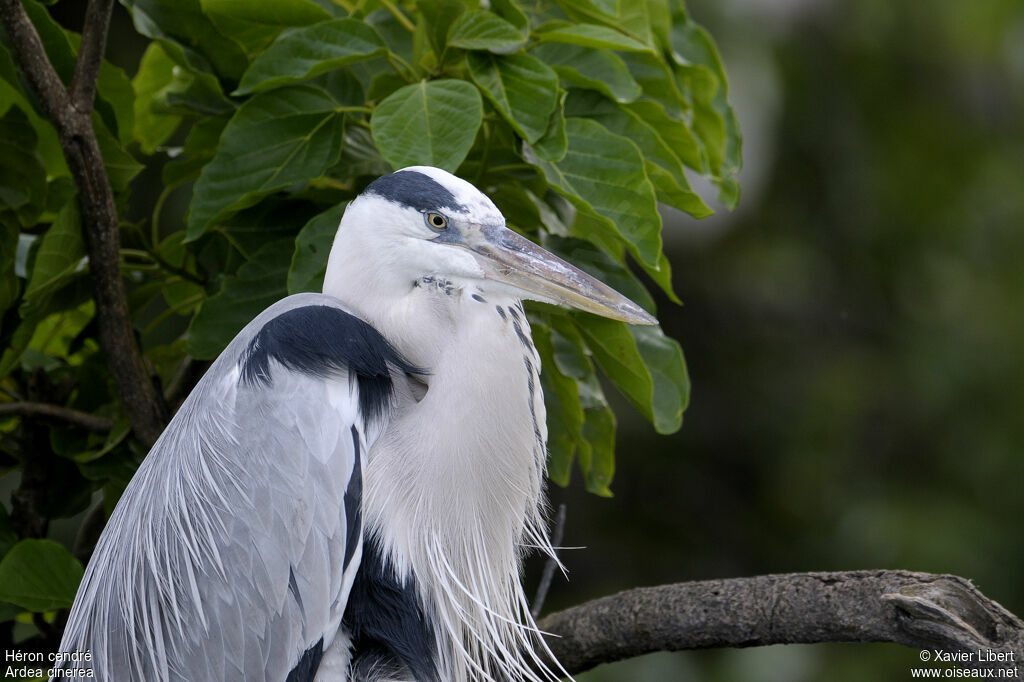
[602, 174]
[674, 132]
[54, 39]
[657, 81]
[23, 186]
[628, 16]
[714, 119]
[17, 344]
[522, 88]
[249, 230]
[312, 247]
[616, 352]
[708, 124]
[200, 146]
[430, 123]
[302, 53]
[595, 69]
[255, 23]
[114, 95]
[156, 72]
[482, 30]
[275, 140]
[189, 36]
[597, 451]
[644, 364]
[257, 284]
[663, 166]
[438, 17]
[10, 285]
[60, 257]
[8, 536]
[554, 145]
[11, 94]
[114, 88]
[595, 436]
[261, 13]
[564, 412]
[591, 35]
[660, 16]
[664, 360]
[188, 92]
[510, 12]
[120, 165]
[360, 156]
[39, 575]
[570, 353]
[514, 201]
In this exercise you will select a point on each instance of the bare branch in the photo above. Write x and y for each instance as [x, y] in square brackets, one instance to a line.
[143, 404]
[918, 610]
[83, 420]
[90, 55]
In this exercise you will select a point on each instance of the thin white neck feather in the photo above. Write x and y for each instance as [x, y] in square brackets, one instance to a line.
[453, 488]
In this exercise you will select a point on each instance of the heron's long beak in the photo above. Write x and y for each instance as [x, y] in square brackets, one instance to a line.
[511, 259]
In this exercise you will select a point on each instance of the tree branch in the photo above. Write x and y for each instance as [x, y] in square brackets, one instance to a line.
[30, 53]
[83, 420]
[90, 55]
[143, 404]
[919, 610]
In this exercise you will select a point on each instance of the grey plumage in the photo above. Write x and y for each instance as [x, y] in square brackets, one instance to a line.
[348, 493]
[234, 530]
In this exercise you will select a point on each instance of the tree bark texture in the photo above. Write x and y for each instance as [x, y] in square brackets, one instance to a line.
[919, 610]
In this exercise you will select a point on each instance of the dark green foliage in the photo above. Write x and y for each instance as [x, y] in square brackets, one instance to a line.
[247, 126]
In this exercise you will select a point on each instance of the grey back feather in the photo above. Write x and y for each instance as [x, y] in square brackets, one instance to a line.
[197, 575]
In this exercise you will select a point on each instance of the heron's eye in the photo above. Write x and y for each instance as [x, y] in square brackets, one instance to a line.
[437, 221]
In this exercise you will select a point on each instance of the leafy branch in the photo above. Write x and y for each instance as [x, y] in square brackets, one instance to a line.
[71, 114]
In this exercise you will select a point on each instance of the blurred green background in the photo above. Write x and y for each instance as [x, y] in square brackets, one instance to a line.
[854, 331]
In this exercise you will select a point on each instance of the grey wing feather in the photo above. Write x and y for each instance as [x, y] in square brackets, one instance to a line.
[225, 558]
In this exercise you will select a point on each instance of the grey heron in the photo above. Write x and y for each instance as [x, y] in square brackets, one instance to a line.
[348, 491]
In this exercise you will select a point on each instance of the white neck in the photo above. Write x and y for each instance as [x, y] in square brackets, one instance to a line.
[453, 488]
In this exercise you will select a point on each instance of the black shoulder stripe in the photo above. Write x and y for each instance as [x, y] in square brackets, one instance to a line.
[293, 587]
[354, 502]
[309, 663]
[386, 619]
[322, 341]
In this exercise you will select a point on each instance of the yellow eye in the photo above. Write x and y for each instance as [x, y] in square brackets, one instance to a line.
[437, 221]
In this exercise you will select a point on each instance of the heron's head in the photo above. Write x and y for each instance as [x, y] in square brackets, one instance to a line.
[425, 222]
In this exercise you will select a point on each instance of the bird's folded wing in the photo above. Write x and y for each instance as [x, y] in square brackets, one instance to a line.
[231, 553]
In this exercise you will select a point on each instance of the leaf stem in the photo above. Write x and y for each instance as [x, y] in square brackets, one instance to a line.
[401, 67]
[354, 110]
[398, 15]
[154, 225]
[139, 253]
[173, 310]
[504, 168]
